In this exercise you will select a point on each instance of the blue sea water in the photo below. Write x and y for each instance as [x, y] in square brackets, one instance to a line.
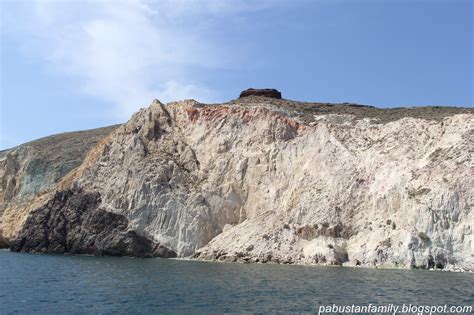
[80, 284]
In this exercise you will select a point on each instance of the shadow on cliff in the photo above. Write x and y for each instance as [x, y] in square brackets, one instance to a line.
[72, 222]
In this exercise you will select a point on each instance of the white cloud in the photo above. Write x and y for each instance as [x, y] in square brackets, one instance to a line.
[127, 52]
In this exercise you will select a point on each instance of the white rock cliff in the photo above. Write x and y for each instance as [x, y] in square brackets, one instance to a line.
[269, 180]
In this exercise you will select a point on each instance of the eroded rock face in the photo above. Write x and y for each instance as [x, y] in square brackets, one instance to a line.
[272, 93]
[3, 242]
[34, 169]
[72, 222]
[276, 181]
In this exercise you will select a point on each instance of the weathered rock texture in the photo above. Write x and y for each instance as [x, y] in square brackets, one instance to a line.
[261, 92]
[72, 222]
[271, 180]
[4, 243]
[30, 172]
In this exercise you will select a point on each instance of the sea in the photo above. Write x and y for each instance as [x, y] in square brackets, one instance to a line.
[58, 284]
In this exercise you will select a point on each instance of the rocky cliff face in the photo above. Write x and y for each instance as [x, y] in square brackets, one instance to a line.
[30, 171]
[72, 222]
[270, 180]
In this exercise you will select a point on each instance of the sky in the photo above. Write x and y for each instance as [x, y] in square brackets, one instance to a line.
[74, 65]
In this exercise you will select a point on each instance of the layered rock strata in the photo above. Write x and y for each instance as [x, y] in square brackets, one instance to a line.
[270, 180]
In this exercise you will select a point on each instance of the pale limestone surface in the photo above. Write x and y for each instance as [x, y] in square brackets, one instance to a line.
[259, 181]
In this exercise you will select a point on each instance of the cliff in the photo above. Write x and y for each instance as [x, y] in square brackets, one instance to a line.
[262, 179]
[31, 170]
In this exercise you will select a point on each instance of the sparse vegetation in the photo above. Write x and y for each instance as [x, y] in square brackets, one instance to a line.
[306, 111]
[424, 237]
[309, 232]
[386, 243]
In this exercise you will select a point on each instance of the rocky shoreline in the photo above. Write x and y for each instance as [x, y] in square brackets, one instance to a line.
[255, 260]
[72, 222]
[270, 262]
[335, 261]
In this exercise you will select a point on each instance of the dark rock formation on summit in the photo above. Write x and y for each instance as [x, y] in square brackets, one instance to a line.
[71, 222]
[273, 93]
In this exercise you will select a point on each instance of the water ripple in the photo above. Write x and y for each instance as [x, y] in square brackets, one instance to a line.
[80, 284]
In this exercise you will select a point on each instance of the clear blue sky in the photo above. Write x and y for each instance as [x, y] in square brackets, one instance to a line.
[71, 65]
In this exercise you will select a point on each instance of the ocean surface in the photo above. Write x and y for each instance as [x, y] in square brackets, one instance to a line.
[80, 284]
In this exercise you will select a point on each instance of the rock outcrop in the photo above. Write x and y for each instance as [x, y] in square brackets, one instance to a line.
[272, 93]
[32, 170]
[4, 243]
[269, 180]
[72, 222]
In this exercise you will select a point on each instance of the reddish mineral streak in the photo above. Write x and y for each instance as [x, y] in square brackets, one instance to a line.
[211, 115]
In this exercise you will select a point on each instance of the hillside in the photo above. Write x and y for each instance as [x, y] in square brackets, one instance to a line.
[257, 179]
[34, 168]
